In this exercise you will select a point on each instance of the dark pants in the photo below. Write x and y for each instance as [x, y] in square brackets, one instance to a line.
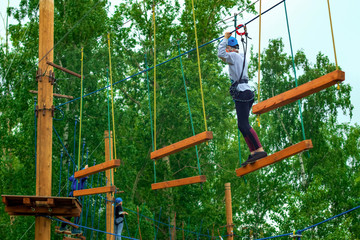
[243, 108]
[76, 221]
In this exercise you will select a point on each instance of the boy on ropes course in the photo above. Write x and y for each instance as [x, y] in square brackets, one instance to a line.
[75, 185]
[119, 217]
[241, 93]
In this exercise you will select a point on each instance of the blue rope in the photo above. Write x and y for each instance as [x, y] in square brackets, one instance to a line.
[63, 145]
[62, 115]
[74, 143]
[312, 226]
[61, 157]
[113, 234]
[283, 235]
[185, 53]
[127, 228]
[157, 229]
[67, 182]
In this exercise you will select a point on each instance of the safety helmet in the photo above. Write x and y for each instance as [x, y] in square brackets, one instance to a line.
[232, 42]
[118, 200]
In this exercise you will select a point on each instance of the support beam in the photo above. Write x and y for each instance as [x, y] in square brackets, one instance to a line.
[92, 191]
[299, 92]
[67, 221]
[184, 144]
[97, 168]
[63, 69]
[178, 182]
[55, 95]
[228, 206]
[276, 157]
[44, 121]
[109, 149]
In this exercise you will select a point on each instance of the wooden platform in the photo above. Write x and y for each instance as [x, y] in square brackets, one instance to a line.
[77, 238]
[276, 157]
[92, 191]
[97, 168]
[184, 144]
[299, 92]
[39, 205]
[178, 182]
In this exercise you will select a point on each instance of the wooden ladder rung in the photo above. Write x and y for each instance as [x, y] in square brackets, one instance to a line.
[276, 157]
[299, 92]
[178, 182]
[97, 168]
[183, 144]
[92, 191]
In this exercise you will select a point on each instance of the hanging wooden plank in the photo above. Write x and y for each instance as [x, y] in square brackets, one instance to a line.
[299, 92]
[92, 191]
[178, 182]
[35, 205]
[276, 157]
[97, 168]
[184, 144]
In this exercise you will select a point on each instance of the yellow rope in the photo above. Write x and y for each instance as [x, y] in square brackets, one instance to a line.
[333, 40]
[112, 97]
[258, 117]
[81, 99]
[153, 9]
[198, 57]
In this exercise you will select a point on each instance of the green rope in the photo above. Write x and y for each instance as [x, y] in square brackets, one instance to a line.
[151, 123]
[296, 83]
[109, 124]
[188, 103]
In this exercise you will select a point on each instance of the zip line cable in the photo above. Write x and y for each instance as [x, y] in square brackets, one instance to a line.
[157, 65]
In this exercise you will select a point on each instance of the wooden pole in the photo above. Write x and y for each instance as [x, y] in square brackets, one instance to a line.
[229, 222]
[44, 121]
[109, 182]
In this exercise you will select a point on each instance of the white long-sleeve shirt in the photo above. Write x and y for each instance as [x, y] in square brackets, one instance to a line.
[235, 62]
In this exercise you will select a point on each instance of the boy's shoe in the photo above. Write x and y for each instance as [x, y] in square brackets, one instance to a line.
[62, 229]
[247, 161]
[75, 231]
[256, 156]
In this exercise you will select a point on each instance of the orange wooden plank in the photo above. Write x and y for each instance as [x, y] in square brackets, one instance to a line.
[92, 191]
[97, 168]
[301, 91]
[276, 157]
[178, 182]
[183, 144]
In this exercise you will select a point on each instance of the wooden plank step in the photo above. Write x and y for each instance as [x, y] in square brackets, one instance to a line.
[301, 91]
[34, 205]
[178, 182]
[276, 157]
[97, 168]
[92, 191]
[183, 144]
[77, 238]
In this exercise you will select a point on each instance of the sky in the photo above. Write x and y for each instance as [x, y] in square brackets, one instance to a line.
[310, 32]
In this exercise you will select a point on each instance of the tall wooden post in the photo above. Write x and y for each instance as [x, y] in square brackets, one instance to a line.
[109, 182]
[44, 121]
[229, 222]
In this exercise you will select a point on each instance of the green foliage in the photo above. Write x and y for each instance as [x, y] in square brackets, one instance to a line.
[293, 194]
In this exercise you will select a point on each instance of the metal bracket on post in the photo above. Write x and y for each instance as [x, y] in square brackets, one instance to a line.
[39, 75]
[51, 76]
[37, 110]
